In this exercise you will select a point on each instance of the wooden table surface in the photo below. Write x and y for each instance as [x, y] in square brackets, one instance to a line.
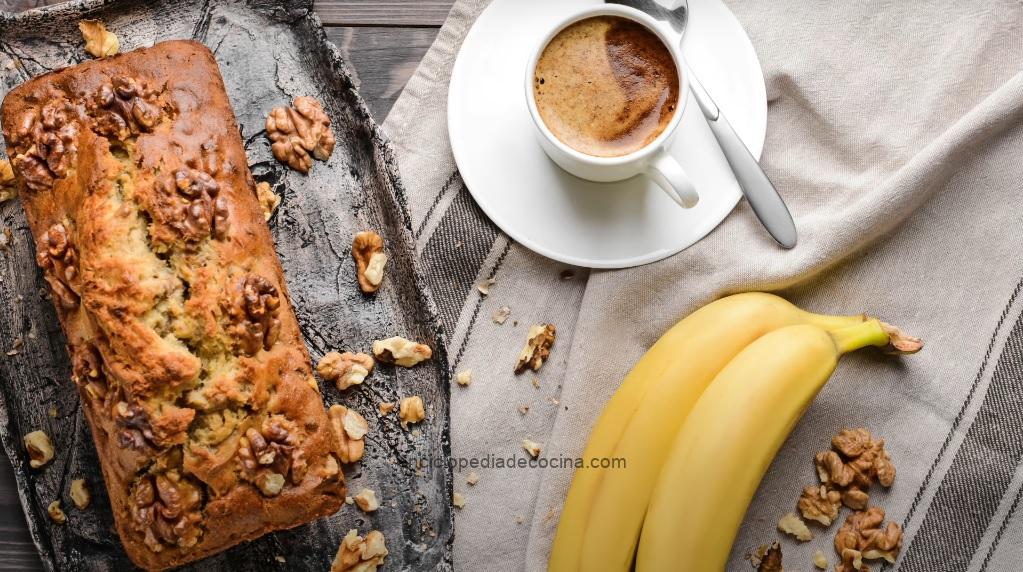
[383, 41]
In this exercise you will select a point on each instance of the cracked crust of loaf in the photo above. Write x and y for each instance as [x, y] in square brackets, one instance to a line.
[185, 348]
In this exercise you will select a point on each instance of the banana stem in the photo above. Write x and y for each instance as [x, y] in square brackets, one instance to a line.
[874, 332]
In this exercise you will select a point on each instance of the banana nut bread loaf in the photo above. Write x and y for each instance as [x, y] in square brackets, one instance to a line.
[186, 352]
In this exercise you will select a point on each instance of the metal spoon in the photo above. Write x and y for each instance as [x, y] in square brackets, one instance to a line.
[760, 192]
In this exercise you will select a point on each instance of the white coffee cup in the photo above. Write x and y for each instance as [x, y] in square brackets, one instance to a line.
[653, 160]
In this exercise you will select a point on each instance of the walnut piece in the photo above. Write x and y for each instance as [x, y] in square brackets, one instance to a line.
[464, 377]
[484, 287]
[411, 410]
[40, 450]
[820, 504]
[400, 351]
[538, 347]
[358, 554]
[8, 183]
[863, 535]
[501, 315]
[56, 513]
[80, 495]
[458, 500]
[532, 447]
[345, 369]
[267, 199]
[860, 460]
[771, 561]
[273, 447]
[794, 526]
[99, 42]
[820, 560]
[349, 429]
[386, 407]
[368, 252]
[299, 133]
[472, 479]
[855, 498]
[270, 484]
[366, 500]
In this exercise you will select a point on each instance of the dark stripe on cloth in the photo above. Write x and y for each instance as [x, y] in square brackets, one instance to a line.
[980, 474]
[455, 253]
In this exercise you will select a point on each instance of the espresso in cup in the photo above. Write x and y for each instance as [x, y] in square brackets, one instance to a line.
[606, 86]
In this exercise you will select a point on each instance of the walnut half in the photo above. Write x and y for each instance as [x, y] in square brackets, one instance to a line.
[368, 252]
[99, 42]
[345, 369]
[299, 133]
[358, 554]
[350, 429]
[400, 351]
[864, 536]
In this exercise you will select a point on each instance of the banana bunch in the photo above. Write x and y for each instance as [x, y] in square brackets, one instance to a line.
[698, 420]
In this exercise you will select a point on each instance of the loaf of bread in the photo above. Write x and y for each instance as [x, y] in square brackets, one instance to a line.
[186, 352]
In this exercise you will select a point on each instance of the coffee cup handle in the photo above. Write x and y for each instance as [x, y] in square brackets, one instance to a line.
[673, 180]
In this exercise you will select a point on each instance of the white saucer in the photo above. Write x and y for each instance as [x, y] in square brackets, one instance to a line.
[598, 225]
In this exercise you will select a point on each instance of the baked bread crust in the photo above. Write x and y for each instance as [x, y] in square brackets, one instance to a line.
[186, 352]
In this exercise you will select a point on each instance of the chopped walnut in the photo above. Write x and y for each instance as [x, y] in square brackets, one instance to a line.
[538, 348]
[484, 287]
[368, 252]
[464, 377]
[820, 504]
[794, 526]
[386, 407]
[820, 560]
[56, 513]
[532, 447]
[99, 42]
[167, 510]
[472, 479]
[253, 308]
[345, 369]
[399, 351]
[299, 133]
[366, 500]
[267, 199]
[349, 429]
[40, 450]
[411, 410]
[458, 500]
[123, 107]
[270, 484]
[771, 561]
[501, 315]
[58, 258]
[864, 532]
[8, 183]
[80, 493]
[358, 554]
[523, 409]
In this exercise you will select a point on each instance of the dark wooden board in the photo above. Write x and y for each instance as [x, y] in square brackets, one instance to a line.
[423, 13]
[358, 188]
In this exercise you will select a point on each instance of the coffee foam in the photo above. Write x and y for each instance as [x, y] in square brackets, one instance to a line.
[606, 86]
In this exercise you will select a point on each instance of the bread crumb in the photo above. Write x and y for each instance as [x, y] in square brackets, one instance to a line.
[458, 500]
[501, 315]
[464, 377]
[532, 447]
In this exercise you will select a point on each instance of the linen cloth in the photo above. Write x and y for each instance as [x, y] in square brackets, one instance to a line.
[894, 135]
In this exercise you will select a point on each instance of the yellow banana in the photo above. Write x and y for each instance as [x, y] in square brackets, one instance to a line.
[731, 435]
[600, 523]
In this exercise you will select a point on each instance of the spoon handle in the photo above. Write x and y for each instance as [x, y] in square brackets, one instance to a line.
[760, 192]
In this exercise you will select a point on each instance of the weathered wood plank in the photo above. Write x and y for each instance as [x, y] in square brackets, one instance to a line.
[16, 549]
[336, 12]
[383, 12]
[383, 59]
